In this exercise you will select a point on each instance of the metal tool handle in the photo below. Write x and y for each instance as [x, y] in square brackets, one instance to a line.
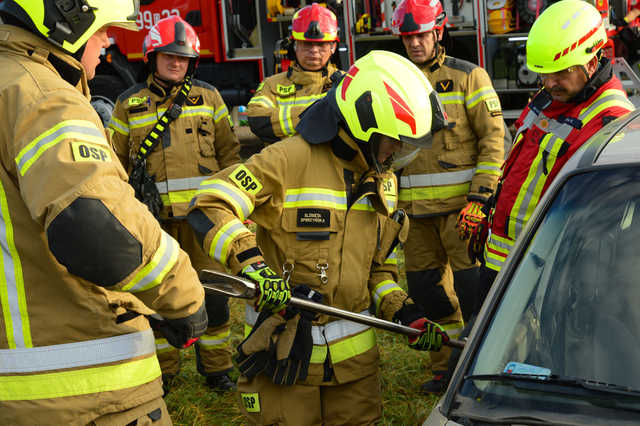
[233, 286]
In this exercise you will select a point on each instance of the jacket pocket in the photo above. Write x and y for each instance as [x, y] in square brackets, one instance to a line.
[391, 232]
[206, 136]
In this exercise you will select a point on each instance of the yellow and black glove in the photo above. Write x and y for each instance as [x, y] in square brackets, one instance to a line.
[469, 219]
[273, 291]
[432, 335]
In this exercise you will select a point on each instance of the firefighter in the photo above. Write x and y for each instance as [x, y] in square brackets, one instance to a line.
[580, 94]
[326, 207]
[445, 188]
[197, 143]
[274, 110]
[81, 257]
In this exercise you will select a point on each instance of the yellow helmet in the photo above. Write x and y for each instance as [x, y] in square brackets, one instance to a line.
[567, 33]
[69, 23]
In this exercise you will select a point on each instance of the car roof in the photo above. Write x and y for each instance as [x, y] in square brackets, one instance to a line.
[617, 143]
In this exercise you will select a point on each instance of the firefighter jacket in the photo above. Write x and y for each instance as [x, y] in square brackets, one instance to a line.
[464, 161]
[324, 219]
[274, 110]
[80, 254]
[548, 133]
[197, 144]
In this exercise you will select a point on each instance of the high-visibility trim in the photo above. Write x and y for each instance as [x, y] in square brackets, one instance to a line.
[436, 179]
[608, 99]
[345, 338]
[219, 248]
[180, 190]
[220, 113]
[434, 193]
[119, 126]
[215, 341]
[78, 354]
[161, 263]
[496, 251]
[232, 195]
[315, 197]
[490, 168]
[531, 189]
[261, 100]
[392, 259]
[12, 292]
[481, 94]
[163, 346]
[451, 98]
[381, 290]
[79, 382]
[143, 121]
[284, 110]
[80, 130]
[363, 204]
[453, 329]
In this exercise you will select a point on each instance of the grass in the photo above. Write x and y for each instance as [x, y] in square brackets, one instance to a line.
[402, 369]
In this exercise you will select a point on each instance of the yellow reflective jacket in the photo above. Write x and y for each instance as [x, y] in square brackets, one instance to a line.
[64, 357]
[465, 159]
[324, 219]
[197, 144]
[274, 110]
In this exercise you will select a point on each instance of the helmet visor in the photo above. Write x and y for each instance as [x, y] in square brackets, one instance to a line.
[125, 15]
[389, 153]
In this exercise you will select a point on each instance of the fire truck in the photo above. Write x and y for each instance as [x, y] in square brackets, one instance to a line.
[243, 41]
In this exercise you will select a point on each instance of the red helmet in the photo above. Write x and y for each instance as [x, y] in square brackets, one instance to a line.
[172, 35]
[314, 23]
[418, 16]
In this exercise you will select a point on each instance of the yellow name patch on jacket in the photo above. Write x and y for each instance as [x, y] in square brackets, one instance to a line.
[137, 101]
[286, 90]
[86, 152]
[242, 177]
[251, 402]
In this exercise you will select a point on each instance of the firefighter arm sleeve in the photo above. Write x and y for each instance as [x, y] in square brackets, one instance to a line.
[119, 127]
[224, 201]
[485, 116]
[77, 191]
[226, 143]
[432, 336]
[263, 114]
[182, 332]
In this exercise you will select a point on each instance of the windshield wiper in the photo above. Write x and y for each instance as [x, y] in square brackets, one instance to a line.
[559, 384]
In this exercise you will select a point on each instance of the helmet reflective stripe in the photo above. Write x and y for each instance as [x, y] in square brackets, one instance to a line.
[567, 33]
[70, 28]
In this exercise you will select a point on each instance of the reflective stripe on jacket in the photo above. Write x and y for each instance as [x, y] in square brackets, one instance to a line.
[464, 161]
[64, 359]
[274, 110]
[198, 143]
[318, 227]
[546, 139]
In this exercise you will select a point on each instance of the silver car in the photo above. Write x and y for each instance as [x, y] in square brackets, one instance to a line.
[558, 338]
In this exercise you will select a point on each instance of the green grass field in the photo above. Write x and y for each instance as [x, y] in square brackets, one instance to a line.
[403, 370]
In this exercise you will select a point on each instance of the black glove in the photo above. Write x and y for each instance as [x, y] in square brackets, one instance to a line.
[259, 347]
[182, 332]
[295, 344]
[432, 335]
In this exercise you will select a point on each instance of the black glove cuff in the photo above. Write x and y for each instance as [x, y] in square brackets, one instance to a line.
[198, 321]
[409, 313]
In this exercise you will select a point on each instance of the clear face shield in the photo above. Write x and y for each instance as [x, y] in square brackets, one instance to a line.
[391, 154]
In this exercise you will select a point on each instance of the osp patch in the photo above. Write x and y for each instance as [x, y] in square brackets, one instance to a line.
[245, 180]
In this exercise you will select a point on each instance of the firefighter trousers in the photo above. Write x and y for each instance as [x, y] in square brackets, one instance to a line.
[153, 413]
[213, 349]
[354, 403]
[440, 276]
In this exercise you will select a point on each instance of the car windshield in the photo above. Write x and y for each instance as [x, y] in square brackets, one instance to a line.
[565, 337]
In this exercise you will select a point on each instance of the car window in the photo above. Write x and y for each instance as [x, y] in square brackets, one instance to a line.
[572, 308]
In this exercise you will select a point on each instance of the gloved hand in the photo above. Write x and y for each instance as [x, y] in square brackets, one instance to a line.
[478, 238]
[295, 344]
[182, 332]
[432, 335]
[273, 291]
[469, 219]
[258, 349]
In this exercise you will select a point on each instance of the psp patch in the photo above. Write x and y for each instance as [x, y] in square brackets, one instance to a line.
[83, 151]
[493, 106]
[251, 402]
[286, 90]
[245, 180]
[320, 218]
